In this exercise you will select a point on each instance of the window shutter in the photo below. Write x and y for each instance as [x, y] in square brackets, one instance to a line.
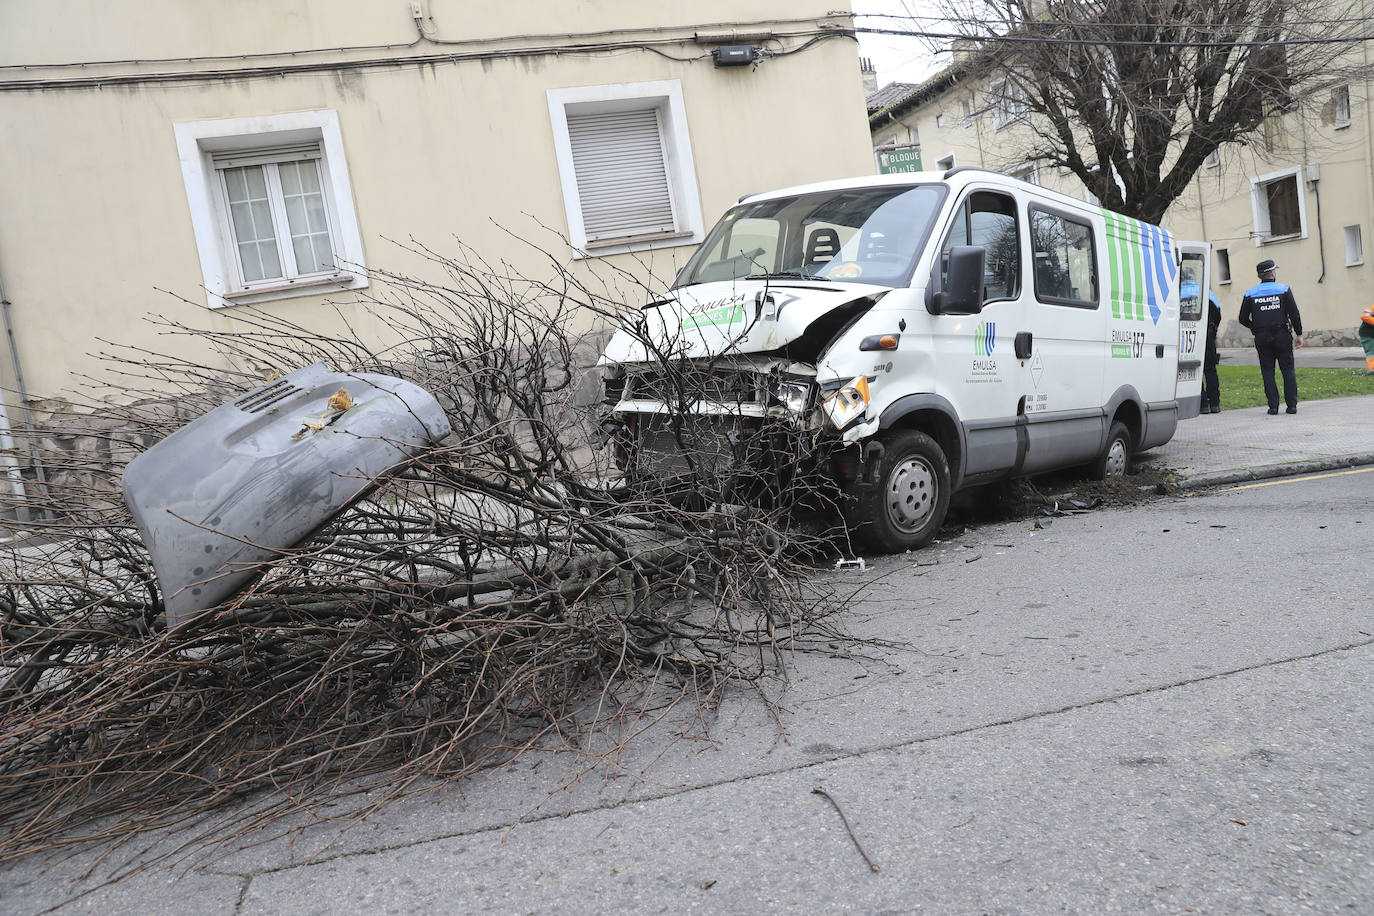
[293, 152]
[622, 179]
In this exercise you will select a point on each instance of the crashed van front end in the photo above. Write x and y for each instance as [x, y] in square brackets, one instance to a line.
[756, 360]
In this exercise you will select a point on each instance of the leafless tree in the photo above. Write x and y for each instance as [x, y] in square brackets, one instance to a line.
[1132, 96]
[472, 607]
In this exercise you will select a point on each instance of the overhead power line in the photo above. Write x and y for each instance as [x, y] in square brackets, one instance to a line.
[1097, 42]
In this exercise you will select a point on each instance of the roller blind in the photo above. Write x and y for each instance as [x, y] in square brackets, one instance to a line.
[622, 178]
[230, 159]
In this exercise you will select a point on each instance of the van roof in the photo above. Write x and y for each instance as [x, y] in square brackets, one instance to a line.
[956, 178]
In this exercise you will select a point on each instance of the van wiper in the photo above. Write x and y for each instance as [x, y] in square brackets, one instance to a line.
[789, 275]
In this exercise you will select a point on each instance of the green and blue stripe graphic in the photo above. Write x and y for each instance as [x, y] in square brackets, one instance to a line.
[1141, 262]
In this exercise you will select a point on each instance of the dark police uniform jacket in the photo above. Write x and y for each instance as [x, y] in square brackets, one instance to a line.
[1270, 307]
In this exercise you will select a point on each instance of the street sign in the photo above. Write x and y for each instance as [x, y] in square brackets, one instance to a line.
[900, 159]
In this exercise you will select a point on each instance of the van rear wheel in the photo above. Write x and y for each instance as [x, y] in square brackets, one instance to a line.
[1116, 454]
[907, 504]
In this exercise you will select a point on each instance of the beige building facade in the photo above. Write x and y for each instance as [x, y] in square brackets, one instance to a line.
[195, 160]
[1301, 194]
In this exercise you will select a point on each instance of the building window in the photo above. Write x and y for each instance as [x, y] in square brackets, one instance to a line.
[1340, 107]
[1223, 266]
[1029, 173]
[271, 206]
[1280, 210]
[966, 109]
[625, 162]
[939, 120]
[1065, 260]
[1009, 103]
[278, 220]
[1213, 159]
[1354, 246]
[945, 163]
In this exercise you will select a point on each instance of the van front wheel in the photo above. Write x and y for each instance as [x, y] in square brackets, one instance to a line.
[907, 504]
[1116, 454]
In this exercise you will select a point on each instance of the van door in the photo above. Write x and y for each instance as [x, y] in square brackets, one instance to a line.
[974, 354]
[1194, 286]
[1065, 330]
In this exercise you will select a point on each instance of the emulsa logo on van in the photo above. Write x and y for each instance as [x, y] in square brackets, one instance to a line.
[984, 342]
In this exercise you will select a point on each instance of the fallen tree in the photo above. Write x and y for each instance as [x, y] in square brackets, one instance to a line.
[460, 614]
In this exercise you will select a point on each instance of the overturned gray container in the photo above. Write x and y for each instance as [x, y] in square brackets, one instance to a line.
[256, 476]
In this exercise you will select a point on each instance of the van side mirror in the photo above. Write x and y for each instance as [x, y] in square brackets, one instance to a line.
[963, 289]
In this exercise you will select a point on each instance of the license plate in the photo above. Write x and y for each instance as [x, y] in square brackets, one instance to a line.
[1188, 375]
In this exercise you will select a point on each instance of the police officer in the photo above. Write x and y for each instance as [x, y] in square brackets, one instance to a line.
[1269, 310]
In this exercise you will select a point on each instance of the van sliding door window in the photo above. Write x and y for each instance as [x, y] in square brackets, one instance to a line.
[1065, 259]
[988, 220]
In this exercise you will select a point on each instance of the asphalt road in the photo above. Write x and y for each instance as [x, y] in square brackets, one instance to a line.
[1158, 709]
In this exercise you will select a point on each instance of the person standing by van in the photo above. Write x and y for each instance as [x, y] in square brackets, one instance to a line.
[1211, 385]
[1270, 311]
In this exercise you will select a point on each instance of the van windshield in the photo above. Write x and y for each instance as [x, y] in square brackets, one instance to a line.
[854, 235]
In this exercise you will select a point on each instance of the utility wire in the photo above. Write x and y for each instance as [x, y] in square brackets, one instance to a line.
[683, 34]
[1178, 24]
[1116, 43]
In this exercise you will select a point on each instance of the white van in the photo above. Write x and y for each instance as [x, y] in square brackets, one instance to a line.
[943, 329]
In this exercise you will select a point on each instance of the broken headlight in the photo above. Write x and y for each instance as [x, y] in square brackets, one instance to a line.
[849, 404]
[793, 394]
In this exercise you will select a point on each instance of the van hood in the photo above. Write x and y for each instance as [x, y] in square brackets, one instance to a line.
[716, 319]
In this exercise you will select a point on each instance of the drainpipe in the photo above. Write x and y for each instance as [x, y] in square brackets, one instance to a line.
[23, 394]
[12, 470]
[1312, 182]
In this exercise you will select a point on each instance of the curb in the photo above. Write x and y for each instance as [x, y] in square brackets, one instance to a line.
[1270, 471]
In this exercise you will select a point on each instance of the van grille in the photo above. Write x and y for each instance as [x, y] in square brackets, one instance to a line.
[689, 386]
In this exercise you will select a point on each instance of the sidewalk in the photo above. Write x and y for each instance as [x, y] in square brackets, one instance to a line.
[1305, 357]
[1249, 444]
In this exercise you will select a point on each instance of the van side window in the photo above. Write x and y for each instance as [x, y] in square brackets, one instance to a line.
[989, 220]
[1190, 292]
[1065, 259]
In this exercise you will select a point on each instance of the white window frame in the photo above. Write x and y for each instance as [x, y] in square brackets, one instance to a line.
[1340, 119]
[1008, 103]
[946, 162]
[1354, 245]
[1223, 266]
[1029, 173]
[1259, 206]
[666, 97]
[198, 142]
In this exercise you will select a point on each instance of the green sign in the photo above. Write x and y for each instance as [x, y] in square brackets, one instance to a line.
[902, 159]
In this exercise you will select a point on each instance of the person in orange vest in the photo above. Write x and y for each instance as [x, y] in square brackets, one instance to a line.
[1367, 338]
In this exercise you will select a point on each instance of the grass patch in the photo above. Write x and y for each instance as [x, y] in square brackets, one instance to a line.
[1241, 386]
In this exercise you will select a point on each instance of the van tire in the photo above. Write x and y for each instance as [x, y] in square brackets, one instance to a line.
[908, 501]
[1115, 459]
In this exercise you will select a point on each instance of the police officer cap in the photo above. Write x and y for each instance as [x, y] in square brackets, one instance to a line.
[1265, 267]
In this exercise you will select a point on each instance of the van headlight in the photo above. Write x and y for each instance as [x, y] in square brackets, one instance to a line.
[794, 395]
[849, 404]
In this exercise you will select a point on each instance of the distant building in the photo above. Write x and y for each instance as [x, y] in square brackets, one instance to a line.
[1301, 194]
[264, 153]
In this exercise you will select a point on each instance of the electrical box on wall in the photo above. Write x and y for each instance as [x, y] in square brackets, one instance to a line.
[735, 55]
